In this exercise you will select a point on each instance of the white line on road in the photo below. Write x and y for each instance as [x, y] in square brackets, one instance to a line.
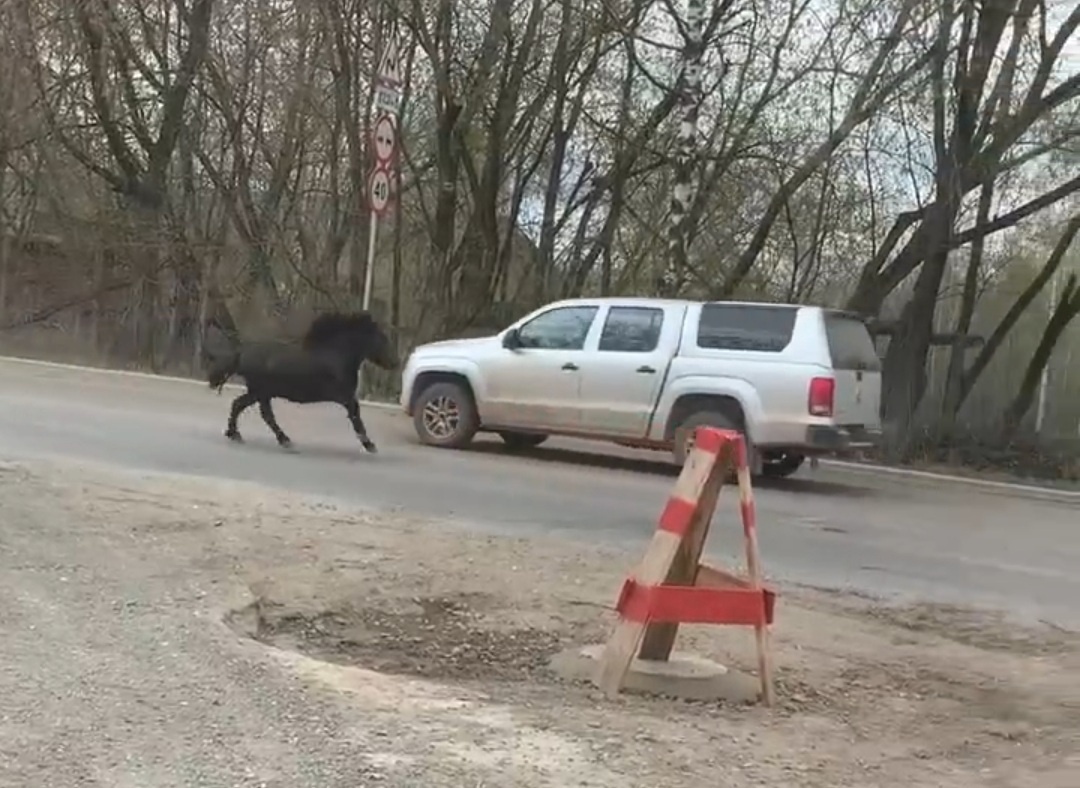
[1047, 492]
[859, 467]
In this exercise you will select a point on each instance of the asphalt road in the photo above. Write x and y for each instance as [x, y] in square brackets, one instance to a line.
[885, 535]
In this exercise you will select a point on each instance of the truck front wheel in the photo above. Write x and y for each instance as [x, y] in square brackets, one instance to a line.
[445, 416]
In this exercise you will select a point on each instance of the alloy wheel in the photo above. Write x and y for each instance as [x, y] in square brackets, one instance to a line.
[441, 417]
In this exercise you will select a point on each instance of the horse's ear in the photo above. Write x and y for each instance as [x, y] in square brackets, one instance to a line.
[367, 322]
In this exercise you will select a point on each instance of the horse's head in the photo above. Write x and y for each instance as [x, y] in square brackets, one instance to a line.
[355, 331]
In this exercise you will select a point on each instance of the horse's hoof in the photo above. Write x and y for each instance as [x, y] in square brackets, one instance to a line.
[287, 445]
[234, 436]
[369, 446]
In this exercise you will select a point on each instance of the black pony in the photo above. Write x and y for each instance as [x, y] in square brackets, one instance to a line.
[323, 367]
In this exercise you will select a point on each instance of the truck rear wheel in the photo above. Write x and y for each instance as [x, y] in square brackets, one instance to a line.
[445, 416]
[684, 433]
[516, 441]
[781, 466]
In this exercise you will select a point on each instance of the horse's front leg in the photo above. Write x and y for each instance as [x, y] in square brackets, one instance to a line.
[267, 413]
[239, 405]
[352, 407]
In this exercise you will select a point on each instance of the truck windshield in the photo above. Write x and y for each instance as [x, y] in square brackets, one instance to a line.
[850, 343]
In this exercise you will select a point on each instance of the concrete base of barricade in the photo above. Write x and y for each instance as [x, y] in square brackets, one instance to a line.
[682, 675]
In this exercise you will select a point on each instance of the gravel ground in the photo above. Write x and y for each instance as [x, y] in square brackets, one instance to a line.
[166, 631]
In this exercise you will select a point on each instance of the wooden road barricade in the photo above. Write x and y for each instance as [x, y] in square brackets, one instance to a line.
[671, 586]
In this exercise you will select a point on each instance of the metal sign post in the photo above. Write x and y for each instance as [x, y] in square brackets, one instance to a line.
[384, 143]
[1044, 376]
[379, 203]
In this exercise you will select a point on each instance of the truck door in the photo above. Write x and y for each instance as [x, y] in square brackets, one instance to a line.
[623, 371]
[538, 384]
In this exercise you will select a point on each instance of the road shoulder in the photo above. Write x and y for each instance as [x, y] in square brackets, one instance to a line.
[424, 646]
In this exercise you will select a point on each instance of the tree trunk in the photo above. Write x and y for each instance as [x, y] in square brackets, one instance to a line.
[206, 296]
[396, 259]
[559, 141]
[682, 196]
[1067, 308]
[904, 368]
[5, 270]
[441, 296]
[102, 257]
[184, 323]
[955, 373]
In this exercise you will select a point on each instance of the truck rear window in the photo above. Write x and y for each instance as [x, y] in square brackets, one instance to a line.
[850, 343]
[745, 327]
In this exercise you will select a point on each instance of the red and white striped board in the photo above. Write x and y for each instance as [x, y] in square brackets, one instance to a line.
[670, 586]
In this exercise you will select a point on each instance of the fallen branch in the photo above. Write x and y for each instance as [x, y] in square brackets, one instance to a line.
[44, 313]
[889, 328]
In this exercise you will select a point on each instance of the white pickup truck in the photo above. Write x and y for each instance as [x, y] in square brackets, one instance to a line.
[796, 380]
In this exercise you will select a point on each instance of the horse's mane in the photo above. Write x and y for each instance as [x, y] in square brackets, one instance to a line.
[329, 326]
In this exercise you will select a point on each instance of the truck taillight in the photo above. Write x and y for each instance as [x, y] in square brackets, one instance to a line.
[822, 392]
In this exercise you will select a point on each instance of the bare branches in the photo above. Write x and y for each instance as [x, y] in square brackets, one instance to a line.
[877, 86]
[1005, 326]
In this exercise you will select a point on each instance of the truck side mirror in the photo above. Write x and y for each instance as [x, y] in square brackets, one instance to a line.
[511, 340]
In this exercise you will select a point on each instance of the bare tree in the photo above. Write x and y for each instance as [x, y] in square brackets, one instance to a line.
[139, 71]
[997, 337]
[888, 72]
[690, 93]
[1065, 311]
[971, 143]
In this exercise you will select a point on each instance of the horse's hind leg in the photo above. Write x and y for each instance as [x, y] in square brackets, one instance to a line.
[267, 412]
[352, 407]
[239, 405]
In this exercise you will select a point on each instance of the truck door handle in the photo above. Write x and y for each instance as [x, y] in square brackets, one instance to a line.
[570, 365]
[646, 369]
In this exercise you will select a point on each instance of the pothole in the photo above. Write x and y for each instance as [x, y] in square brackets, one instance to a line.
[445, 637]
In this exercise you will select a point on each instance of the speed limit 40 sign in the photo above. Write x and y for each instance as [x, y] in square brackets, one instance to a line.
[379, 190]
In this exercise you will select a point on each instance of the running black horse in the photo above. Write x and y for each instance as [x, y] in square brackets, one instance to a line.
[323, 366]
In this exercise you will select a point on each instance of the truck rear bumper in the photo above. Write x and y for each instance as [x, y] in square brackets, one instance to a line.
[841, 437]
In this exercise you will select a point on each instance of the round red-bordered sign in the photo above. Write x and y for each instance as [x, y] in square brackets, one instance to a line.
[379, 190]
[384, 136]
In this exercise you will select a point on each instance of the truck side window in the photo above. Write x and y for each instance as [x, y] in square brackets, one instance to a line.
[564, 328]
[632, 329]
[758, 327]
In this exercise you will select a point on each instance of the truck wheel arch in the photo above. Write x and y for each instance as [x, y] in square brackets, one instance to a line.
[716, 410]
[429, 378]
[689, 404]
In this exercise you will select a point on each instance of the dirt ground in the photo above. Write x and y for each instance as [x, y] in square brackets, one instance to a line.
[433, 640]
